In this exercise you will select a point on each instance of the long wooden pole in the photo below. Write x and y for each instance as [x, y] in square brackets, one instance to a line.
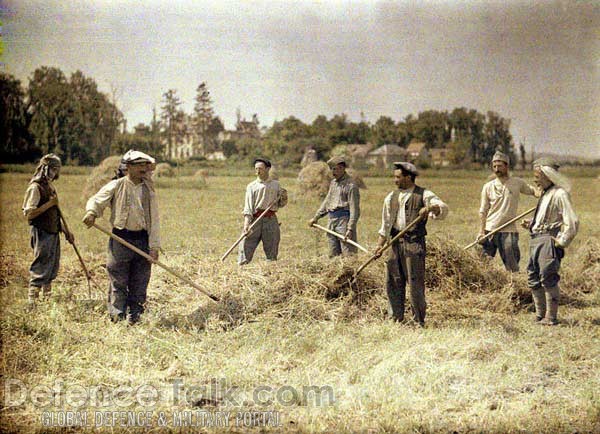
[154, 261]
[245, 234]
[489, 234]
[387, 245]
[88, 276]
[340, 236]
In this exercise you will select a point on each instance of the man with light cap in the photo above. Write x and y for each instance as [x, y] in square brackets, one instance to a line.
[342, 205]
[261, 193]
[499, 204]
[406, 263]
[40, 207]
[552, 228]
[134, 217]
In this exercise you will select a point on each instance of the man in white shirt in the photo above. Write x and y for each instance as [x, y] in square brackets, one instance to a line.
[406, 264]
[499, 204]
[553, 227]
[261, 193]
[134, 217]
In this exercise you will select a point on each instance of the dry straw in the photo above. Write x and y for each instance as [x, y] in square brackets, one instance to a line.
[100, 175]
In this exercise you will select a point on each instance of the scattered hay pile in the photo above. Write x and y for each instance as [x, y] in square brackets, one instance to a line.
[101, 174]
[585, 275]
[164, 170]
[273, 173]
[314, 179]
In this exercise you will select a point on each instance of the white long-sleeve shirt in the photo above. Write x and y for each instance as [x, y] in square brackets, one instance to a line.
[555, 211]
[127, 212]
[500, 201]
[260, 194]
[400, 222]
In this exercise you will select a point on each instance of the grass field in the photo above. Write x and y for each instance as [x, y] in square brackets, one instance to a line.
[480, 365]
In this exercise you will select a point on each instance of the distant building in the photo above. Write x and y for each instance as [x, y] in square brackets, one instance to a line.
[243, 129]
[417, 150]
[439, 157]
[385, 155]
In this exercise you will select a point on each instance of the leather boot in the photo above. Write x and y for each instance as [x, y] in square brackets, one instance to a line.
[539, 301]
[552, 297]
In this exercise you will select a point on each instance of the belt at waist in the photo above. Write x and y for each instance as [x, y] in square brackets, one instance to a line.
[131, 235]
[269, 213]
[340, 212]
[409, 237]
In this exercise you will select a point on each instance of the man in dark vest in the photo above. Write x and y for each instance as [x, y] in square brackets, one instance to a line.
[406, 263]
[40, 207]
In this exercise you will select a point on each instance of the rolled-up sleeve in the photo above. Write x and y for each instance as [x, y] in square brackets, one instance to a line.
[485, 201]
[32, 198]
[430, 199]
[354, 206]
[248, 202]
[98, 202]
[386, 218]
[570, 222]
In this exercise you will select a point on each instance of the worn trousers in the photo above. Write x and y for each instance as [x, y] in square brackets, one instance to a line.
[46, 257]
[336, 246]
[267, 231]
[544, 262]
[406, 265]
[507, 244]
[129, 274]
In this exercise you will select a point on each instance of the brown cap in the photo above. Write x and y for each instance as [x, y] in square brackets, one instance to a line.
[332, 162]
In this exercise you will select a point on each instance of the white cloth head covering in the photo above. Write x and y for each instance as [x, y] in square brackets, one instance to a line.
[550, 169]
[132, 156]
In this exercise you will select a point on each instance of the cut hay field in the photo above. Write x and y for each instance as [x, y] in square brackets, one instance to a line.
[480, 365]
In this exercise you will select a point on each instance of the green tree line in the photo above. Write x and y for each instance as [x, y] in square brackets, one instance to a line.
[72, 118]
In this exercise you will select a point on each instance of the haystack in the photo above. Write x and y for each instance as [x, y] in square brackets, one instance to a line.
[100, 175]
[314, 179]
[358, 180]
[273, 173]
[164, 170]
[201, 175]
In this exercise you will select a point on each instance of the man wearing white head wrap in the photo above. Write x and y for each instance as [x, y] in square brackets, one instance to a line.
[553, 227]
[499, 204]
[134, 217]
[40, 206]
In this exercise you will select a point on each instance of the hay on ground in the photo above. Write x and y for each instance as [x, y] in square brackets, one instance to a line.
[358, 180]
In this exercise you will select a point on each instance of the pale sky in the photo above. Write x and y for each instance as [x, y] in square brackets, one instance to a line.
[534, 62]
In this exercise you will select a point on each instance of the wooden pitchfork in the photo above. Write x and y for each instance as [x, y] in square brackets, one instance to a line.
[246, 233]
[340, 236]
[489, 234]
[88, 276]
[386, 246]
[157, 262]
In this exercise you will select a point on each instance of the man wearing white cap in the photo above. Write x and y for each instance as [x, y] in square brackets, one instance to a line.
[499, 204]
[406, 264]
[553, 227]
[261, 193]
[134, 217]
[342, 206]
